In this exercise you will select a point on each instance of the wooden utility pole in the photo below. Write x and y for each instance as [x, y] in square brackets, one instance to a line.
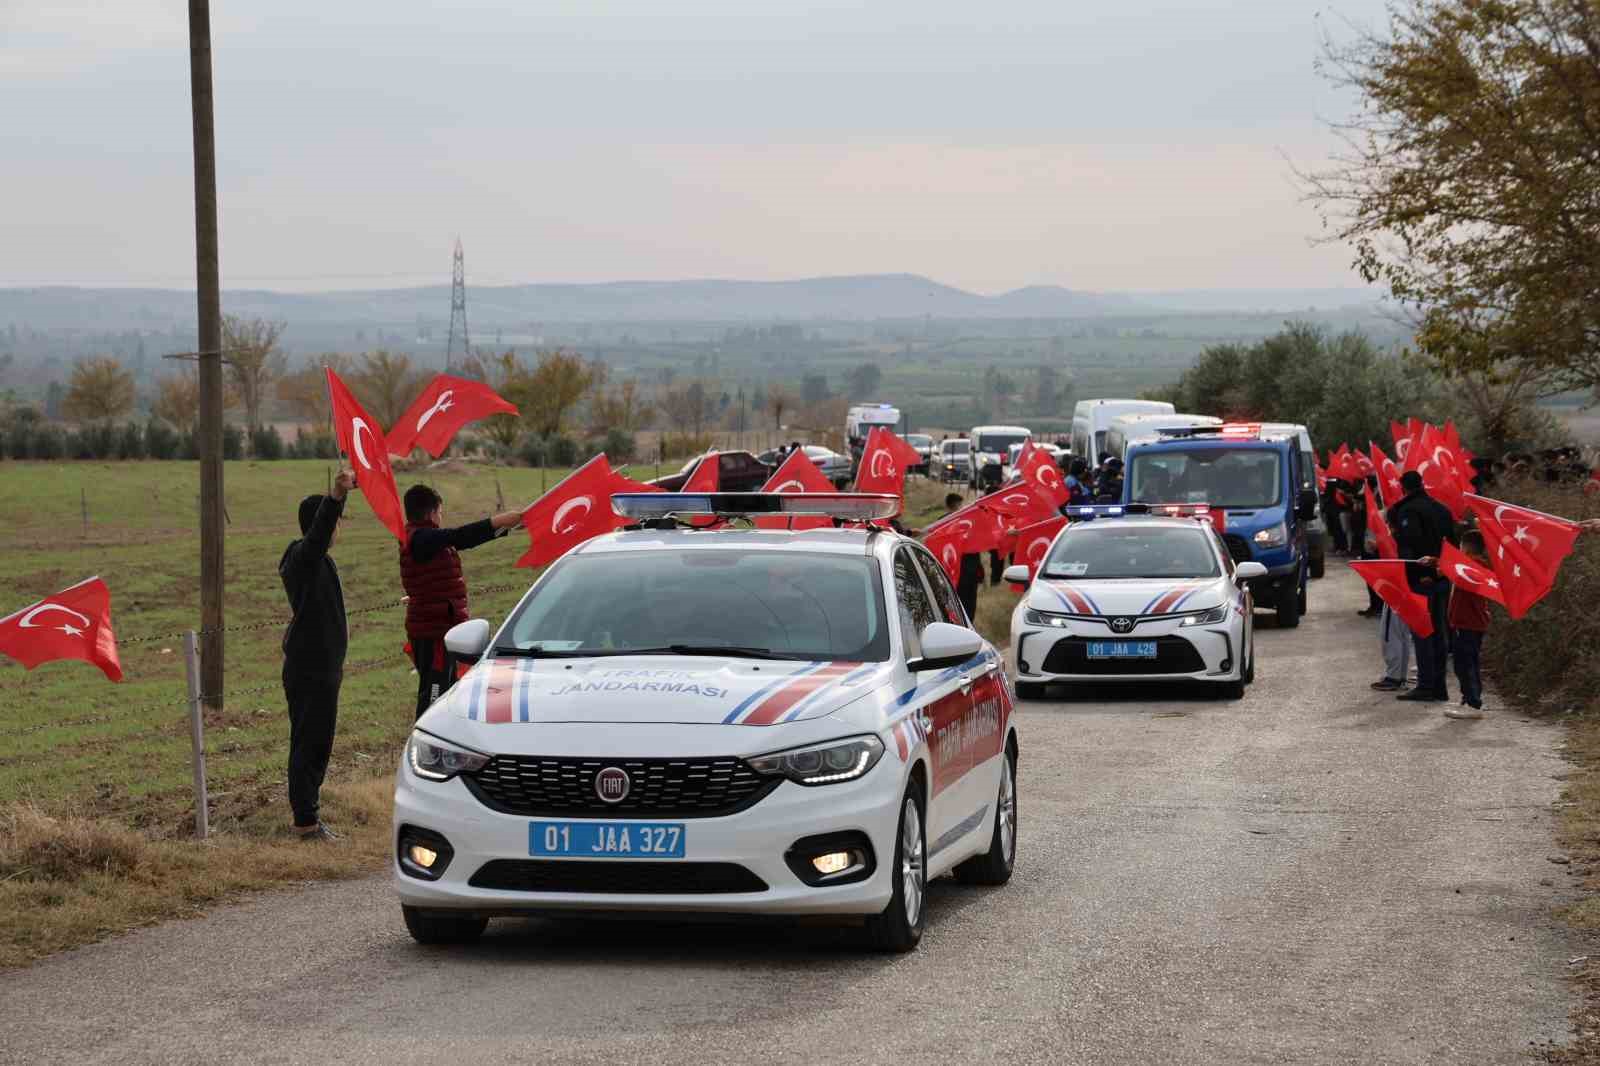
[208, 300]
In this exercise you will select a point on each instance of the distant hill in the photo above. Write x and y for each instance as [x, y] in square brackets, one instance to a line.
[861, 297]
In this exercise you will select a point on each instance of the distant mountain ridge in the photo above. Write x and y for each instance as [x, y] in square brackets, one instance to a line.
[852, 297]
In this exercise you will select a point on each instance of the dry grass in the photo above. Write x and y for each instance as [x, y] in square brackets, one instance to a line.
[68, 880]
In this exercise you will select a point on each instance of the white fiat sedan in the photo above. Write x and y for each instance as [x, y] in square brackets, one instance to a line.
[1126, 596]
[714, 722]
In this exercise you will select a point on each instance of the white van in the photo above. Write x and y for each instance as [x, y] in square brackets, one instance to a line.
[1091, 419]
[859, 420]
[1126, 429]
[1317, 528]
[991, 451]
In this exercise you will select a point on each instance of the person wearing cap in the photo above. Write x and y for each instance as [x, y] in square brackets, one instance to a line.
[1109, 484]
[436, 589]
[1421, 525]
[313, 652]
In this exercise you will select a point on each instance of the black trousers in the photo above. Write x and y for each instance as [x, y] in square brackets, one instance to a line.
[431, 683]
[1434, 650]
[1466, 650]
[313, 713]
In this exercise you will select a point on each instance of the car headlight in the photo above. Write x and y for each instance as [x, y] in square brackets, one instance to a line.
[1039, 618]
[822, 764]
[1273, 536]
[1206, 618]
[438, 760]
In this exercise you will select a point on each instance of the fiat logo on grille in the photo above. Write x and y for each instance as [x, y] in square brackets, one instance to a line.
[612, 784]
[1122, 625]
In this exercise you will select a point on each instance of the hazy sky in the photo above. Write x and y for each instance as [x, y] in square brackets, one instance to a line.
[1121, 144]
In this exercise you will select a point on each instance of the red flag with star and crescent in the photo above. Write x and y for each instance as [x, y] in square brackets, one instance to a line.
[796, 474]
[1033, 541]
[576, 509]
[1388, 472]
[1387, 578]
[1466, 573]
[1378, 526]
[948, 546]
[439, 413]
[1544, 539]
[884, 462]
[75, 623]
[360, 437]
[1038, 468]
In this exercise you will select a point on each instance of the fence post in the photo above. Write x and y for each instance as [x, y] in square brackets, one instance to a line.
[197, 735]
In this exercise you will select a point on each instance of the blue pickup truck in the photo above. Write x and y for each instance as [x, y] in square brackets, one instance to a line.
[1255, 478]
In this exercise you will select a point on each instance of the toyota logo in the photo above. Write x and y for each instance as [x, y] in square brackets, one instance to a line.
[1122, 625]
[612, 784]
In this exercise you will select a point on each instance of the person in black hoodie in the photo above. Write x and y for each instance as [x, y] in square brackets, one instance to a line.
[313, 652]
[1421, 525]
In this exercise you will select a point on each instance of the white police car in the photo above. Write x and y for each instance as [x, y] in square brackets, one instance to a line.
[736, 721]
[1127, 593]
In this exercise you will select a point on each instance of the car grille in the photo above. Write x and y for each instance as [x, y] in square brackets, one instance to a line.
[1238, 547]
[676, 788]
[656, 878]
[1174, 655]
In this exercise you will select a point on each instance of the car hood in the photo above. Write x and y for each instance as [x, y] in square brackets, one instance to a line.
[684, 690]
[1136, 596]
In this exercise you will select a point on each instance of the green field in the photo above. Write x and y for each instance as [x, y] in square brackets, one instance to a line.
[78, 743]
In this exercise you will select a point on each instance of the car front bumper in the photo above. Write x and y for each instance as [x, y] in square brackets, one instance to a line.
[755, 839]
[1214, 652]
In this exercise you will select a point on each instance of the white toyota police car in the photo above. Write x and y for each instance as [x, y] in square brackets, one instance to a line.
[734, 721]
[1129, 593]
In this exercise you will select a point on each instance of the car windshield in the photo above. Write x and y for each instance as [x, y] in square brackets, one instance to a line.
[918, 440]
[998, 442]
[1108, 552]
[1222, 477]
[955, 447]
[802, 605]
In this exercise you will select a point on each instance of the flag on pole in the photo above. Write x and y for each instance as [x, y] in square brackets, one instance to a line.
[360, 437]
[1387, 578]
[884, 462]
[1464, 572]
[576, 509]
[796, 474]
[1379, 526]
[440, 412]
[75, 623]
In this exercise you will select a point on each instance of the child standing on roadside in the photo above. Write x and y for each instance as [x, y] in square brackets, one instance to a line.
[1469, 621]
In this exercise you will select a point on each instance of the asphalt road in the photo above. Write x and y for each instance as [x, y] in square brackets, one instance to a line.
[1313, 874]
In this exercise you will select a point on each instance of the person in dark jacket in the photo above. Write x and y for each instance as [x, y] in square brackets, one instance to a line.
[313, 652]
[436, 591]
[1421, 525]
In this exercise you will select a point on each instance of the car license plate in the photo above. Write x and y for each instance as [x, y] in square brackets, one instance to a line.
[1122, 649]
[607, 840]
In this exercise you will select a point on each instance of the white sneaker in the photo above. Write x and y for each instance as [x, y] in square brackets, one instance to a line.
[1463, 712]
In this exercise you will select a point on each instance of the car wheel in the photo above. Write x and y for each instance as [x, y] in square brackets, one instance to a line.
[439, 929]
[899, 927]
[1300, 598]
[1319, 562]
[1231, 690]
[1030, 690]
[994, 866]
[1288, 609]
[1250, 663]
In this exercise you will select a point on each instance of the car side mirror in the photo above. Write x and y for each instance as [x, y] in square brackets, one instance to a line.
[1019, 574]
[945, 645]
[468, 640]
[1306, 506]
[1249, 572]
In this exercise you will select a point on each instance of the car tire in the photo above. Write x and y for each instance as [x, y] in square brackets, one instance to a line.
[1300, 598]
[1288, 609]
[439, 929]
[899, 927]
[1319, 563]
[1231, 690]
[1250, 663]
[1030, 690]
[994, 866]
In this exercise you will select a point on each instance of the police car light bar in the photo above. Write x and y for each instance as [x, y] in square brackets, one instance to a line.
[1104, 510]
[846, 506]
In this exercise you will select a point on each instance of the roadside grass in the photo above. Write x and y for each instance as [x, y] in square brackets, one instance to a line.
[105, 768]
[1547, 665]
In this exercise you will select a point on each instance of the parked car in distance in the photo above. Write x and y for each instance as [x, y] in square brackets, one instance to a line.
[955, 459]
[834, 467]
[925, 448]
[736, 472]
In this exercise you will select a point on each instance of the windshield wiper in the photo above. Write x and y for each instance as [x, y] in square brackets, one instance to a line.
[543, 653]
[733, 650]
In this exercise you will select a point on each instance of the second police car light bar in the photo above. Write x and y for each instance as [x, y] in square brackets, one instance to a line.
[1081, 512]
[846, 506]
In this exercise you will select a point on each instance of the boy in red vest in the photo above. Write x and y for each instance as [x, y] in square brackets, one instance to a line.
[436, 591]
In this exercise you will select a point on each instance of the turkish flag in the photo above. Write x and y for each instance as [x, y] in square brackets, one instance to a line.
[947, 544]
[797, 474]
[1379, 527]
[706, 475]
[75, 623]
[1401, 435]
[1522, 584]
[1024, 502]
[1388, 476]
[361, 438]
[976, 528]
[884, 462]
[1546, 538]
[436, 416]
[1038, 469]
[1033, 541]
[578, 508]
[1464, 572]
[1387, 577]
